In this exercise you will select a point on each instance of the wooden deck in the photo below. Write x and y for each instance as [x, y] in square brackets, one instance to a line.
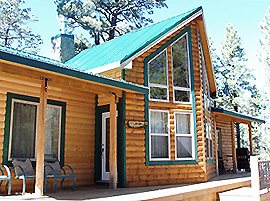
[204, 191]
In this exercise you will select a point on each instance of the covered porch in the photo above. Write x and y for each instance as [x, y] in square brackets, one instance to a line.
[227, 130]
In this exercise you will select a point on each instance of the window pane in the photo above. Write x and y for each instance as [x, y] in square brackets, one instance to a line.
[184, 147]
[159, 122]
[158, 70]
[182, 123]
[158, 93]
[182, 96]
[52, 130]
[159, 147]
[207, 147]
[180, 63]
[23, 129]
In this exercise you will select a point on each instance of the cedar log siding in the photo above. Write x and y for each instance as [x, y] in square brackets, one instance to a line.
[137, 172]
[79, 124]
[227, 152]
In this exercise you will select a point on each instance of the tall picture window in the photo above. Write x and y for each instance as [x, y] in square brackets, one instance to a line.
[159, 135]
[180, 67]
[158, 77]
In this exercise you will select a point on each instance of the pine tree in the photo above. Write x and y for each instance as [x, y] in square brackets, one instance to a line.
[14, 31]
[236, 91]
[106, 19]
[264, 54]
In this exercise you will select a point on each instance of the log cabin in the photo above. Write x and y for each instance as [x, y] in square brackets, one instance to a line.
[133, 111]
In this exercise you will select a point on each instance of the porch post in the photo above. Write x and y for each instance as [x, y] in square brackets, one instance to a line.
[250, 139]
[41, 140]
[113, 142]
[233, 146]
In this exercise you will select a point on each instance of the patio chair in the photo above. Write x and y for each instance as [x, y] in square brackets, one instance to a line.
[54, 170]
[5, 177]
[24, 170]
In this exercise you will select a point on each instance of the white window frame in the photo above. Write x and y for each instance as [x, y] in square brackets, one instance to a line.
[189, 76]
[60, 128]
[160, 85]
[185, 135]
[209, 136]
[161, 134]
[36, 135]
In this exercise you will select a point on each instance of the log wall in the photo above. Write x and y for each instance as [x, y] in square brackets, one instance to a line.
[225, 126]
[138, 174]
[79, 127]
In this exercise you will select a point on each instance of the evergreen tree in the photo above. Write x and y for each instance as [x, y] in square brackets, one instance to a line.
[14, 31]
[264, 54]
[234, 78]
[236, 91]
[106, 19]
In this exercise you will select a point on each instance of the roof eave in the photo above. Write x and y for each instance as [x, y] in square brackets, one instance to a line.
[237, 115]
[207, 55]
[72, 72]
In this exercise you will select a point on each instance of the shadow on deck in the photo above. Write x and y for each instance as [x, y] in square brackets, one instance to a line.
[208, 190]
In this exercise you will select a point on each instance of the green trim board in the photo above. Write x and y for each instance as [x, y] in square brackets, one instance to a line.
[168, 162]
[235, 114]
[210, 160]
[44, 63]
[121, 141]
[11, 96]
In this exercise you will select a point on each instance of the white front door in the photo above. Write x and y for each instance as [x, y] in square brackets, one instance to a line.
[105, 146]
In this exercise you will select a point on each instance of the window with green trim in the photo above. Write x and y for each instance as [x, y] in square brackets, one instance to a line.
[180, 67]
[22, 128]
[158, 77]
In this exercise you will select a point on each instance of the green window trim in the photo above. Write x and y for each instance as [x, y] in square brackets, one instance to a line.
[146, 98]
[210, 160]
[11, 96]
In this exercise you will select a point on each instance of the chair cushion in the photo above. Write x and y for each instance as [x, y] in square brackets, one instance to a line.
[25, 165]
[56, 167]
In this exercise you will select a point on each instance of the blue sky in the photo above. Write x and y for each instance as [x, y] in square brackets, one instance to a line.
[244, 15]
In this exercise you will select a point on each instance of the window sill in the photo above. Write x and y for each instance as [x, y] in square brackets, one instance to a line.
[210, 160]
[182, 162]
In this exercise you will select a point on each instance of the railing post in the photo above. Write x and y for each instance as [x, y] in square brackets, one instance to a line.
[255, 177]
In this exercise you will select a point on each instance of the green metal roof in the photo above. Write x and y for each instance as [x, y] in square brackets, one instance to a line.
[235, 114]
[36, 61]
[122, 48]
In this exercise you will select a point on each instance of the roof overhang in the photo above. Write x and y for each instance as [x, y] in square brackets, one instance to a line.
[110, 66]
[62, 69]
[207, 56]
[236, 117]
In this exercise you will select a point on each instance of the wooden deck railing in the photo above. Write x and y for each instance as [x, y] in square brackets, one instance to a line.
[264, 174]
[260, 176]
